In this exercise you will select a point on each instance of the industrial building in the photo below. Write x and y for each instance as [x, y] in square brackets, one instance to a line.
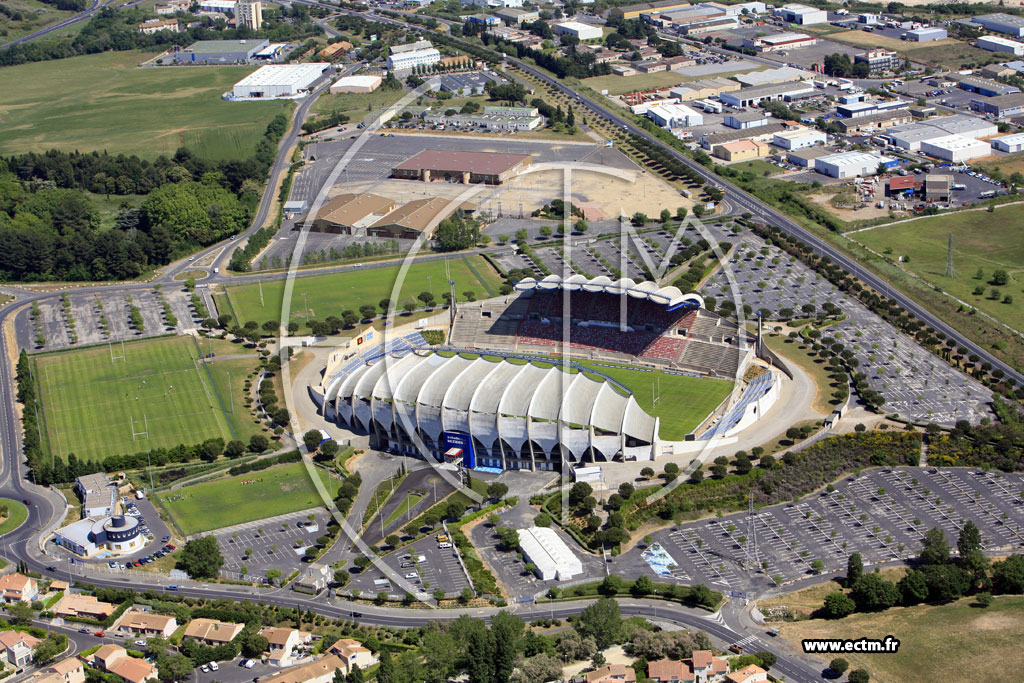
[1000, 44]
[469, 83]
[799, 138]
[910, 136]
[804, 158]
[968, 126]
[741, 150]
[1003, 106]
[879, 120]
[1010, 144]
[675, 116]
[750, 97]
[578, 29]
[703, 89]
[801, 14]
[635, 11]
[490, 168]
[851, 164]
[761, 134]
[357, 84]
[746, 119]
[279, 81]
[879, 60]
[926, 35]
[407, 60]
[955, 148]
[777, 42]
[783, 74]
[545, 549]
[855, 110]
[938, 187]
[983, 86]
[1001, 23]
[220, 51]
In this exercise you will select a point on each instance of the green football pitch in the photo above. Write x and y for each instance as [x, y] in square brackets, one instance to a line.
[245, 498]
[97, 403]
[327, 295]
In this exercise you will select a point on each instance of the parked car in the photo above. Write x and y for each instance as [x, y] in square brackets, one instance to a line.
[214, 666]
[250, 663]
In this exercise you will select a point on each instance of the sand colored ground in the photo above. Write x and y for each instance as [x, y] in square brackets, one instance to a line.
[869, 211]
[613, 655]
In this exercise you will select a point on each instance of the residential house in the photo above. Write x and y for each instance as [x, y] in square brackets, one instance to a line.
[83, 607]
[751, 673]
[212, 632]
[68, 670]
[706, 667]
[18, 588]
[147, 624]
[353, 652]
[116, 660]
[610, 673]
[317, 671]
[669, 670]
[314, 579]
[282, 643]
[17, 647]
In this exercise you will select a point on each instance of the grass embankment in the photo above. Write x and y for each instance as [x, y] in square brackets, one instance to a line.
[15, 516]
[797, 352]
[69, 104]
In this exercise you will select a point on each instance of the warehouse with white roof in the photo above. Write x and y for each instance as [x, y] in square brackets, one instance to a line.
[1009, 143]
[799, 138]
[1000, 44]
[851, 164]
[279, 81]
[545, 549]
[955, 148]
[968, 126]
[578, 29]
[675, 116]
[356, 84]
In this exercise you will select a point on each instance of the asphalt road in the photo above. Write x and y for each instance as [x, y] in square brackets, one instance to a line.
[81, 16]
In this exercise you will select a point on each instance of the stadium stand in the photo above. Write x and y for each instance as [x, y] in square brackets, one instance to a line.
[755, 390]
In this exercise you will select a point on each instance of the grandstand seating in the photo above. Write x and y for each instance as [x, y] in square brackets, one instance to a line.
[706, 357]
[755, 390]
[666, 348]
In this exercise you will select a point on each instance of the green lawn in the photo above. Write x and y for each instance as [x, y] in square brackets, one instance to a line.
[226, 502]
[617, 85]
[328, 295]
[359, 105]
[757, 167]
[91, 404]
[238, 416]
[17, 513]
[70, 104]
[989, 241]
[407, 504]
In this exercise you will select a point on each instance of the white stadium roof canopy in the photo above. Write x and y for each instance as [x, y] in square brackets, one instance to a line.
[670, 297]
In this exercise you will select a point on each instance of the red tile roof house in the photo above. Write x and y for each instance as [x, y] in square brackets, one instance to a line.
[18, 588]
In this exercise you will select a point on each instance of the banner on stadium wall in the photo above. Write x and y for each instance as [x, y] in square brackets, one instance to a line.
[463, 441]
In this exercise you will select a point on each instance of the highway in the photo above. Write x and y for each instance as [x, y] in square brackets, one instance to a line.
[81, 16]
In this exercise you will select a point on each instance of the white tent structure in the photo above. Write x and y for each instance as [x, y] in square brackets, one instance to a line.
[545, 549]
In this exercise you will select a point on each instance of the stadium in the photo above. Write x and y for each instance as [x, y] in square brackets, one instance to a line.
[499, 395]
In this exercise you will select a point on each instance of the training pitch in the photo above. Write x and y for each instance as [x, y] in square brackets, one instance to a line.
[97, 403]
[229, 501]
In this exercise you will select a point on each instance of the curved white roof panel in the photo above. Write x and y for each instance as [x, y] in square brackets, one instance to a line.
[671, 297]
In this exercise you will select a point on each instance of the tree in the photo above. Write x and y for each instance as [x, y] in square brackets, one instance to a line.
[999, 277]
[506, 637]
[312, 439]
[386, 668]
[497, 490]
[839, 665]
[642, 586]
[234, 448]
[872, 593]
[647, 473]
[392, 540]
[258, 443]
[969, 541]
[579, 491]
[20, 613]
[838, 605]
[49, 647]
[455, 509]
[174, 667]
[254, 645]
[602, 621]
[767, 658]
[935, 548]
[1008, 575]
[854, 569]
[201, 558]
[859, 676]
[913, 588]
[509, 538]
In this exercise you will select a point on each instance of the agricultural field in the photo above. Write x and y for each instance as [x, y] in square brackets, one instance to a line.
[982, 244]
[156, 109]
[984, 640]
[245, 498]
[328, 295]
[155, 396]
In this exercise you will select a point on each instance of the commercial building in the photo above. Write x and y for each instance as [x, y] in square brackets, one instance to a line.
[492, 119]
[279, 81]
[68, 670]
[146, 624]
[314, 579]
[804, 158]
[750, 97]
[417, 217]
[743, 120]
[910, 136]
[1010, 144]
[517, 16]
[410, 47]
[634, 11]
[1002, 23]
[877, 121]
[98, 494]
[761, 134]
[879, 60]
[778, 42]
[491, 168]
[577, 29]
[675, 116]
[469, 83]
[221, 6]
[83, 606]
[799, 138]
[956, 148]
[1003, 106]
[352, 652]
[801, 14]
[212, 632]
[983, 86]
[962, 124]
[359, 84]
[249, 14]
[485, 19]
[925, 35]
[220, 51]
[349, 214]
[18, 588]
[741, 150]
[116, 535]
[116, 660]
[413, 58]
[851, 164]
[553, 559]
[1000, 44]
[703, 89]
[154, 25]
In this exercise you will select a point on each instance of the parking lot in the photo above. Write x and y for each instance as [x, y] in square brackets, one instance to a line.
[423, 563]
[275, 543]
[882, 514]
[915, 383]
